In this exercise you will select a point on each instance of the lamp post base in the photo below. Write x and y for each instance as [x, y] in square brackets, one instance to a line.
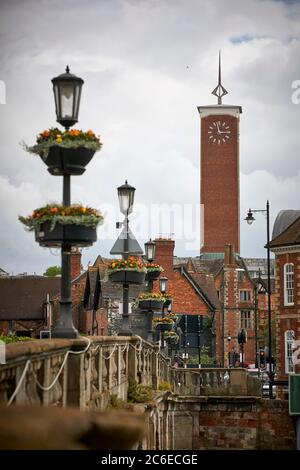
[63, 332]
[125, 333]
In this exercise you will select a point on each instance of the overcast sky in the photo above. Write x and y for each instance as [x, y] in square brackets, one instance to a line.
[147, 65]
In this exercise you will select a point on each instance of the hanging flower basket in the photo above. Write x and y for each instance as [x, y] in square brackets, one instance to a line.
[150, 301]
[153, 271]
[55, 225]
[65, 152]
[163, 324]
[131, 271]
[168, 300]
[172, 337]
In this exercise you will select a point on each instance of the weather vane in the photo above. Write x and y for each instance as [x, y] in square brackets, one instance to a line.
[219, 91]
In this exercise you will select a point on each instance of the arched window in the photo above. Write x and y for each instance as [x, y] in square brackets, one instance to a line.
[289, 336]
[288, 284]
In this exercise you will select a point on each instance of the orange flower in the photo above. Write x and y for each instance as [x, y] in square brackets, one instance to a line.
[53, 210]
[75, 132]
[46, 133]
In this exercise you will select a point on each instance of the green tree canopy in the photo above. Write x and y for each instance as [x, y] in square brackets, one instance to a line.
[52, 271]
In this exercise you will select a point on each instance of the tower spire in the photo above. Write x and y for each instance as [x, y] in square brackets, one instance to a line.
[219, 91]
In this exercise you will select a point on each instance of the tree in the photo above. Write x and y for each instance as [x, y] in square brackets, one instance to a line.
[52, 271]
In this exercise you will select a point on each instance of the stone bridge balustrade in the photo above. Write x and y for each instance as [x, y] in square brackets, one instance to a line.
[83, 372]
[214, 382]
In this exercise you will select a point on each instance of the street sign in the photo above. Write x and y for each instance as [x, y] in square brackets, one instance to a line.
[294, 394]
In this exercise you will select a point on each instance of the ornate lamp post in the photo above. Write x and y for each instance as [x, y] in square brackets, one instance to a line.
[126, 199]
[250, 219]
[64, 160]
[150, 255]
[163, 287]
[67, 94]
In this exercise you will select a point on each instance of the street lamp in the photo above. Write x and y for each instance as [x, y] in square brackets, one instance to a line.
[250, 219]
[163, 284]
[150, 250]
[126, 199]
[67, 94]
[163, 287]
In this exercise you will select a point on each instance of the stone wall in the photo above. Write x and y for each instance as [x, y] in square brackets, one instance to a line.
[220, 423]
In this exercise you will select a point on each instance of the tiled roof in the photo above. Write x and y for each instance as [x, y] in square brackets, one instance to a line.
[211, 266]
[23, 297]
[207, 286]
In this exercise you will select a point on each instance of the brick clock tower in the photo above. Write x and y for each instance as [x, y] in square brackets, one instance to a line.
[220, 174]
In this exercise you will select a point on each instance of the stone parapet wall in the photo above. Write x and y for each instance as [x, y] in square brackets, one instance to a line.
[215, 382]
[84, 372]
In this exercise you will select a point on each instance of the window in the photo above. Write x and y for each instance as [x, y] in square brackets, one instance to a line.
[241, 276]
[289, 336]
[288, 284]
[246, 319]
[245, 295]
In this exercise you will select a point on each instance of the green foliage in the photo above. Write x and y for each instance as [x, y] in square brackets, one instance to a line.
[116, 403]
[14, 339]
[164, 385]
[208, 322]
[205, 359]
[52, 271]
[138, 393]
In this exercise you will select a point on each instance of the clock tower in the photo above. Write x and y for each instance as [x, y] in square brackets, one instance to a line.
[220, 174]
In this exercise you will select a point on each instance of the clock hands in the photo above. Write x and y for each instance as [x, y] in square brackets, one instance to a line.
[222, 132]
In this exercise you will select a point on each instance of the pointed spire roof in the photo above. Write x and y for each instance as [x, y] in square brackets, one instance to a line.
[219, 91]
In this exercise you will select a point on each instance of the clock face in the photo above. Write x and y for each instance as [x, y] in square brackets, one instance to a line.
[219, 132]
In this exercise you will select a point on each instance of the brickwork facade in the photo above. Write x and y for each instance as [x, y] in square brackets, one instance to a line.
[186, 300]
[231, 283]
[220, 182]
[287, 316]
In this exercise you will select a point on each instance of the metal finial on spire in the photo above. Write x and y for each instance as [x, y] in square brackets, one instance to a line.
[219, 91]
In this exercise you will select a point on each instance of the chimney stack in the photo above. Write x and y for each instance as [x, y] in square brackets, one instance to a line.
[75, 262]
[229, 258]
[164, 252]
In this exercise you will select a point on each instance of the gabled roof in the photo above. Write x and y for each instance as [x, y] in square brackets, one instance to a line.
[290, 236]
[92, 291]
[24, 297]
[212, 266]
[204, 286]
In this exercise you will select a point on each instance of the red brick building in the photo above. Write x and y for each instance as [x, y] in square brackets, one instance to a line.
[219, 287]
[286, 246]
[220, 177]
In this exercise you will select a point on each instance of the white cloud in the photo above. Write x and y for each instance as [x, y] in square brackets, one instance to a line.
[147, 65]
